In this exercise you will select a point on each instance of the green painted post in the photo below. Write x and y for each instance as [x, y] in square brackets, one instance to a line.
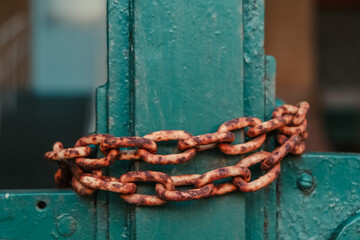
[192, 67]
[188, 68]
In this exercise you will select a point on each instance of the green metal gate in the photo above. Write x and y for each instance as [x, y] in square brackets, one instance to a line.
[192, 66]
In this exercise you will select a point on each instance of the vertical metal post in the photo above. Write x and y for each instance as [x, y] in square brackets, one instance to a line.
[180, 65]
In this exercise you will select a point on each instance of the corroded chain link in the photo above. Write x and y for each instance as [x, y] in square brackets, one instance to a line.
[84, 174]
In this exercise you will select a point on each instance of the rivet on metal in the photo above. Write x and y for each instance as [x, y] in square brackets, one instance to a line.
[66, 225]
[306, 182]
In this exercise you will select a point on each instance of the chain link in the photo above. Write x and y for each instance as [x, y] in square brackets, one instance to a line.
[84, 174]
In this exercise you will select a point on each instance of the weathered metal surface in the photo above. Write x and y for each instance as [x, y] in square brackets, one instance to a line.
[174, 61]
[259, 98]
[328, 208]
[178, 49]
[102, 203]
[46, 214]
[117, 104]
[349, 229]
[268, 229]
[181, 47]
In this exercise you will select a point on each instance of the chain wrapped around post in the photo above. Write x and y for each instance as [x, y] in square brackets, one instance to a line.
[83, 173]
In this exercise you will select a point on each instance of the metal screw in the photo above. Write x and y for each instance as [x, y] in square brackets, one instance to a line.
[66, 225]
[306, 182]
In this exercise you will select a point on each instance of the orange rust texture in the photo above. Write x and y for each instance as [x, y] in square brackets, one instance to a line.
[107, 183]
[184, 195]
[221, 173]
[236, 124]
[171, 158]
[217, 137]
[281, 152]
[125, 142]
[84, 174]
[89, 164]
[270, 125]
[259, 183]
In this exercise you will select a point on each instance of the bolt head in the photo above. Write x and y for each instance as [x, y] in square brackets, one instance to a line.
[306, 182]
[66, 225]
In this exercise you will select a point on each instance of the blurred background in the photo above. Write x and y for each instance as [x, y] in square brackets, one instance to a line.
[53, 56]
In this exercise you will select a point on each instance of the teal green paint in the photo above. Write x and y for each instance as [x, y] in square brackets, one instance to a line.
[119, 106]
[270, 86]
[188, 63]
[183, 65]
[258, 100]
[349, 229]
[102, 109]
[254, 58]
[270, 192]
[334, 199]
[188, 72]
[66, 225]
[270, 100]
[66, 215]
[306, 182]
[176, 65]
[102, 197]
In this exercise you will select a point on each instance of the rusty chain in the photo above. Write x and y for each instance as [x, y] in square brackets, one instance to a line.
[84, 174]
